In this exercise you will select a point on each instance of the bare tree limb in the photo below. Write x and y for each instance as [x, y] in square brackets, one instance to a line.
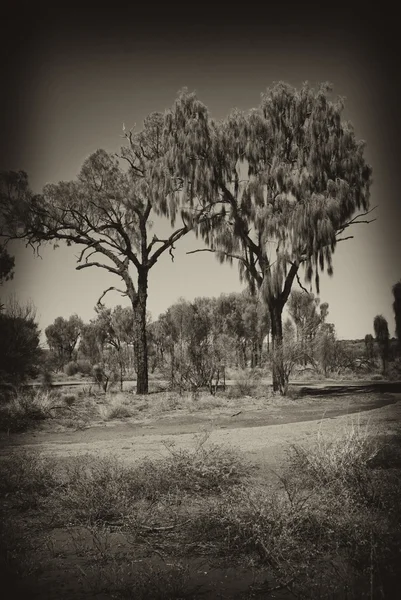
[349, 237]
[99, 302]
[301, 286]
[355, 221]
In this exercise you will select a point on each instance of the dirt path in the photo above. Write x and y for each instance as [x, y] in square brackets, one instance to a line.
[258, 433]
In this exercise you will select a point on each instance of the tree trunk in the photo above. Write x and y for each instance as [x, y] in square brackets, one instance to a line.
[277, 346]
[139, 306]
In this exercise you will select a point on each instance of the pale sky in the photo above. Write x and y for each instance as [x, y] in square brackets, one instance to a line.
[71, 87]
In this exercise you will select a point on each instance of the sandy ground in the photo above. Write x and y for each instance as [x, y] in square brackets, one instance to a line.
[257, 433]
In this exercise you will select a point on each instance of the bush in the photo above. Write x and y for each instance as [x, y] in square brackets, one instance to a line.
[84, 366]
[245, 385]
[71, 368]
[27, 477]
[119, 412]
[24, 410]
[88, 489]
[336, 519]
[46, 380]
[342, 463]
[20, 352]
[69, 399]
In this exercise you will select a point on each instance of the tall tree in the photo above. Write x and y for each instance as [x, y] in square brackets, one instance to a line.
[62, 337]
[107, 211]
[286, 180]
[369, 346]
[117, 332]
[308, 316]
[397, 309]
[380, 326]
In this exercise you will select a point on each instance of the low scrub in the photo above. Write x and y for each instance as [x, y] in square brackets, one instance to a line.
[91, 489]
[23, 410]
[334, 528]
[119, 412]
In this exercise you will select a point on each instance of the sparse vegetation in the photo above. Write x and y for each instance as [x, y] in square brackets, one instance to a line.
[331, 525]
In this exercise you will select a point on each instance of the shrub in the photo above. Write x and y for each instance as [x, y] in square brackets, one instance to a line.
[69, 399]
[26, 476]
[46, 380]
[245, 385]
[24, 410]
[84, 366]
[119, 412]
[71, 368]
[90, 489]
[20, 352]
[342, 462]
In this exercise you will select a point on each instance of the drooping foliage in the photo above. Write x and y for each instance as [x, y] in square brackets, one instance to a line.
[285, 179]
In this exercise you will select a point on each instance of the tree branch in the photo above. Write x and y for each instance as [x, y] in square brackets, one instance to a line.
[99, 302]
[301, 286]
[349, 237]
[169, 243]
[354, 220]
[100, 265]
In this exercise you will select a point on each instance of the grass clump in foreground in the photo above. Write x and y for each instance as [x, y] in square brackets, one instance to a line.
[332, 528]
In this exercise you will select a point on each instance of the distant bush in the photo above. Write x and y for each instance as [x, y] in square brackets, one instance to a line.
[71, 368]
[69, 399]
[84, 366]
[46, 379]
[245, 385]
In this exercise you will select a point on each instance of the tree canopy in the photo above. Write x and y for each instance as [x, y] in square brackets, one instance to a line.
[107, 211]
[286, 179]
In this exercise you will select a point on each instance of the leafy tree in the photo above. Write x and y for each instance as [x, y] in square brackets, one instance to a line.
[62, 337]
[327, 347]
[20, 353]
[107, 210]
[397, 309]
[308, 316]
[369, 346]
[116, 328]
[92, 341]
[285, 179]
[380, 326]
